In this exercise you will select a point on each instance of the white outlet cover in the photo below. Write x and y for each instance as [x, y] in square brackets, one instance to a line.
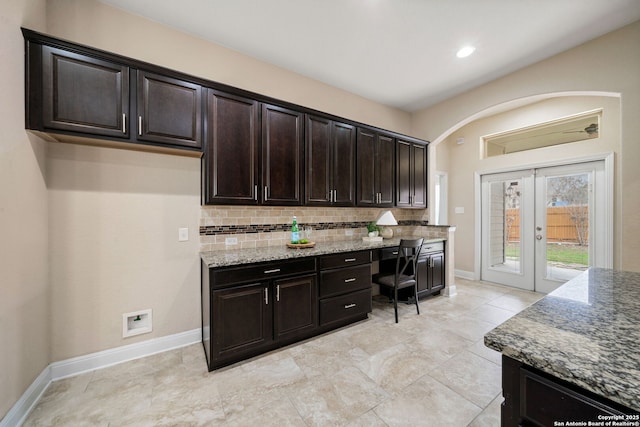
[183, 234]
[231, 241]
[137, 322]
[460, 210]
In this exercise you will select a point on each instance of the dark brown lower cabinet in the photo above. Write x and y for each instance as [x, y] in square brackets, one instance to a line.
[295, 307]
[253, 309]
[242, 319]
[250, 309]
[345, 288]
[534, 398]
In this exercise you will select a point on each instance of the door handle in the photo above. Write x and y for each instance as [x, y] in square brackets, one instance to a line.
[538, 236]
[266, 296]
[278, 293]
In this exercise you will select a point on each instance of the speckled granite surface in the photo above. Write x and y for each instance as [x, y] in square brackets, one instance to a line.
[248, 256]
[586, 332]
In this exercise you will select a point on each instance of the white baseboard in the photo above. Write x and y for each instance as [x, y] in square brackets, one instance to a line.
[28, 400]
[90, 362]
[469, 275]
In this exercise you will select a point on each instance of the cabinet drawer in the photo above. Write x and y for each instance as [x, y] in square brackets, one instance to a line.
[344, 280]
[544, 401]
[345, 259]
[258, 272]
[345, 306]
[432, 247]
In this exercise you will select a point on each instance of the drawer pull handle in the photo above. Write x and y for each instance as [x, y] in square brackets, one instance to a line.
[394, 253]
[349, 260]
[349, 280]
[349, 306]
[275, 270]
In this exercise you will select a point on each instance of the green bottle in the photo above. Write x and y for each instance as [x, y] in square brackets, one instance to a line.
[295, 234]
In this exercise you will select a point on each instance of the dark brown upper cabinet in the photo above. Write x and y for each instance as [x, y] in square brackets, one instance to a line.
[282, 156]
[411, 174]
[376, 168]
[231, 155]
[330, 162]
[169, 110]
[80, 94]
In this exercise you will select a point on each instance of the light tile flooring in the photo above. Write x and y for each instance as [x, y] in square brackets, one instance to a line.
[427, 370]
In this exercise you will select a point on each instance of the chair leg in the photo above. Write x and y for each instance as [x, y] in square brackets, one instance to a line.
[415, 292]
[395, 303]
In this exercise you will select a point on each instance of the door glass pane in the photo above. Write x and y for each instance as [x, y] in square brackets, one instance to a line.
[505, 243]
[567, 220]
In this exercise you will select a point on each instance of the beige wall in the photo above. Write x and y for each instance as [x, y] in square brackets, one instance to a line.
[606, 64]
[463, 161]
[24, 292]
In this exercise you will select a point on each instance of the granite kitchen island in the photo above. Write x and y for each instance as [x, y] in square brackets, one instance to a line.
[574, 356]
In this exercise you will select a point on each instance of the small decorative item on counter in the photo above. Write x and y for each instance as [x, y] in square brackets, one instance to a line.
[295, 234]
[372, 229]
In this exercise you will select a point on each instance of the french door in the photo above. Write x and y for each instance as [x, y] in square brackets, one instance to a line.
[544, 226]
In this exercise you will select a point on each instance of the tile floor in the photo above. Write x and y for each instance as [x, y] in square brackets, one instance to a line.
[427, 370]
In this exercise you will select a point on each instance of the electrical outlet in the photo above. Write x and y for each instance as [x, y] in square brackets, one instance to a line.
[348, 232]
[231, 241]
[183, 234]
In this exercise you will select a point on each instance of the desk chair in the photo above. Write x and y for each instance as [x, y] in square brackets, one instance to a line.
[405, 275]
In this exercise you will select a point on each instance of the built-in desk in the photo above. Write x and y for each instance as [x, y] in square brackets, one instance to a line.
[255, 300]
[430, 270]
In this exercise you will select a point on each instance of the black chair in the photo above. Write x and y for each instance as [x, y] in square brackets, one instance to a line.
[405, 275]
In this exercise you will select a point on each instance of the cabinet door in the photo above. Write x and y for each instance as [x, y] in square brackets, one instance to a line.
[231, 150]
[343, 181]
[411, 175]
[404, 173]
[318, 165]
[169, 110]
[241, 321]
[295, 307]
[385, 174]
[366, 171]
[419, 176]
[282, 156]
[436, 272]
[84, 94]
[423, 274]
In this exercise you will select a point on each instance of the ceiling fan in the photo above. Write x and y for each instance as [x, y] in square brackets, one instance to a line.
[589, 130]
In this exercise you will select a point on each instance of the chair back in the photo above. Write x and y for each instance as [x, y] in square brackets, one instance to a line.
[408, 253]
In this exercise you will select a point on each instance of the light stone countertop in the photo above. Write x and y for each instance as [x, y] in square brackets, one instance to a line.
[224, 258]
[586, 332]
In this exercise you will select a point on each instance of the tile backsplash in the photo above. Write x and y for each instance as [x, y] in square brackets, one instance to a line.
[263, 226]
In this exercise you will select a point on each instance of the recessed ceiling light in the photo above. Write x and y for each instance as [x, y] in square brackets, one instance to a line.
[465, 51]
